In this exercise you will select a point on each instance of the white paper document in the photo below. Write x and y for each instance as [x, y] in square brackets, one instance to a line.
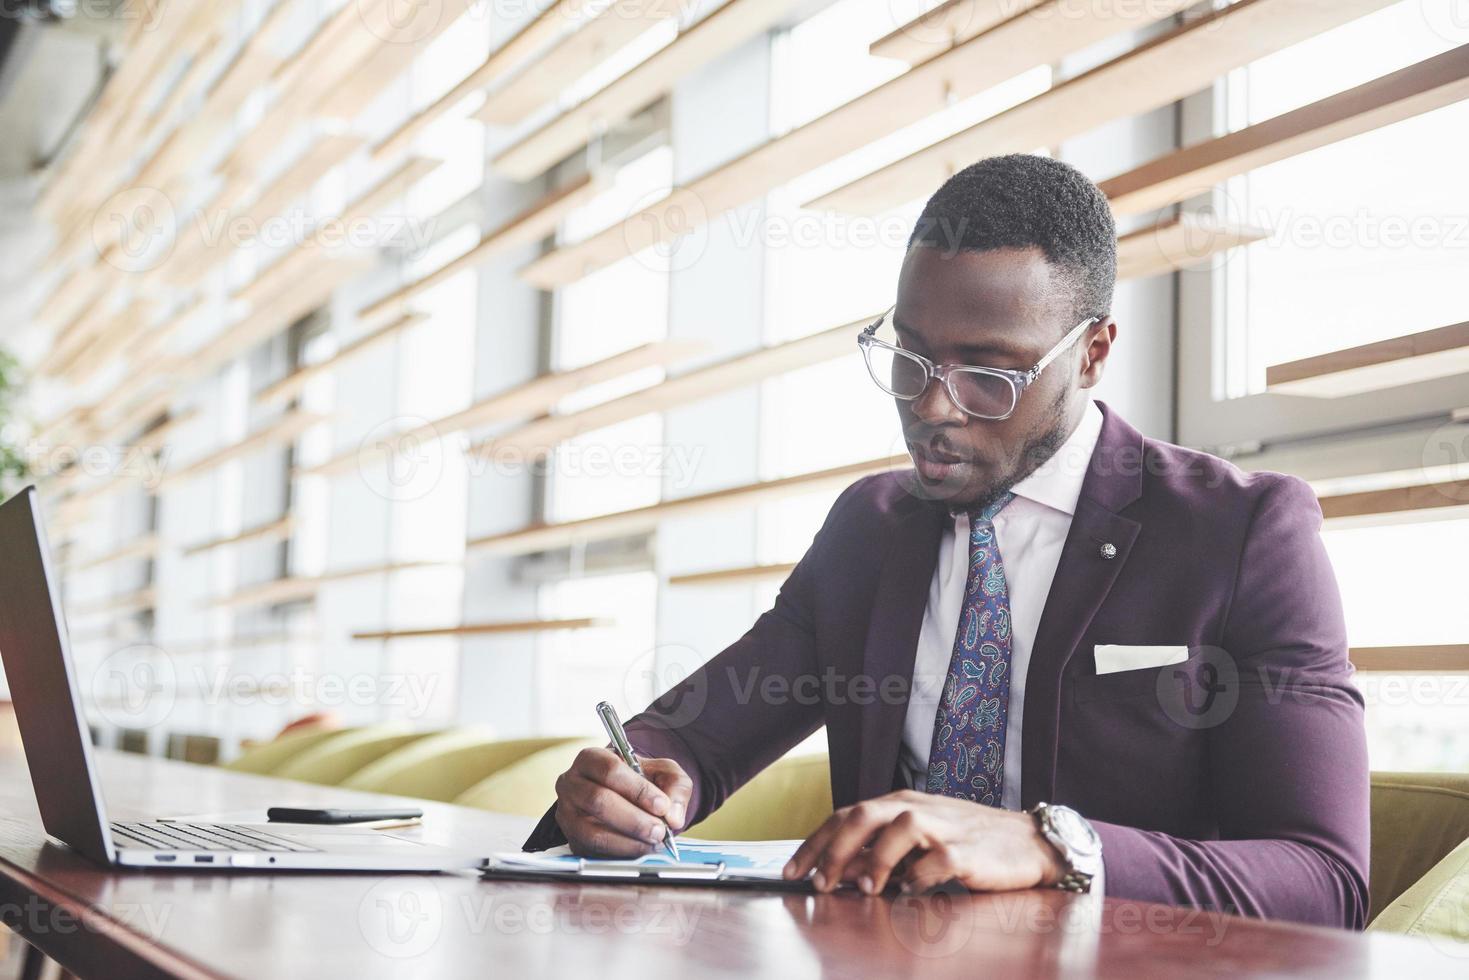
[740, 859]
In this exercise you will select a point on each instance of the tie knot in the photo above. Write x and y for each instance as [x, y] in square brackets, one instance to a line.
[986, 514]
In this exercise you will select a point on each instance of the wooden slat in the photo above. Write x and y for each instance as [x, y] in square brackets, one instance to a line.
[177, 152]
[250, 69]
[201, 66]
[1173, 65]
[298, 588]
[320, 64]
[293, 384]
[288, 428]
[125, 329]
[194, 258]
[1001, 53]
[1181, 242]
[529, 398]
[280, 295]
[940, 28]
[65, 299]
[613, 26]
[272, 531]
[1398, 501]
[561, 15]
[312, 54]
[149, 348]
[276, 277]
[722, 30]
[131, 602]
[1433, 659]
[156, 437]
[403, 40]
[146, 546]
[725, 576]
[305, 256]
[397, 183]
[540, 537]
[286, 291]
[304, 294]
[75, 506]
[538, 437]
[274, 592]
[488, 629]
[1412, 91]
[531, 225]
[1391, 363]
[177, 28]
[196, 647]
[72, 336]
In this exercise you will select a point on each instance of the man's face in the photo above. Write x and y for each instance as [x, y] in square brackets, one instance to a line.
[999, 309]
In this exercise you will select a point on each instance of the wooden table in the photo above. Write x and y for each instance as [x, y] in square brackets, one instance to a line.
[101, 923]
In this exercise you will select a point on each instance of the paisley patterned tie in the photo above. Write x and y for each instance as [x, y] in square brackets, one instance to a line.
[967, 759]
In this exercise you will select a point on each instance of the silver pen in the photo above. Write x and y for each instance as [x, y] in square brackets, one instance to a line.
[610, 721]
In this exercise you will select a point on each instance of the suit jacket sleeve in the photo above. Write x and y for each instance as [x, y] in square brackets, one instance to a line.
[722, 724]
[1288, 761]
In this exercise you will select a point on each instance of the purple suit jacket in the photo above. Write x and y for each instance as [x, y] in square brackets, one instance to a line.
[1236, 780]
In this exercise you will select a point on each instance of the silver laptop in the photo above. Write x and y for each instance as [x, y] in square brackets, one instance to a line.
[43, 689]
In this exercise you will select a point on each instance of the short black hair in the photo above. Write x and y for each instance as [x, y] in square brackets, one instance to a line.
[1026, 201]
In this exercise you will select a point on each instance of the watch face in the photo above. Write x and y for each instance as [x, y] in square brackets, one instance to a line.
[1072, 828]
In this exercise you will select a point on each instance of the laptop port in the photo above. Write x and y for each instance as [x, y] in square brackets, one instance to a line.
[165, 857]
[203, 858]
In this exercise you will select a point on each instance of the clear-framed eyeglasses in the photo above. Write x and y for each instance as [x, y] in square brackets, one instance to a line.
[981, 392]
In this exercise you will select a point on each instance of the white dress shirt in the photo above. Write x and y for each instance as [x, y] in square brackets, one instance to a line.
[1030, 532]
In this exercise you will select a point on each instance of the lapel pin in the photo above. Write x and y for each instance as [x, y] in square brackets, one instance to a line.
[1109, 551]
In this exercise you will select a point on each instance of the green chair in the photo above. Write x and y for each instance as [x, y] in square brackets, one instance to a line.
[333, 761]
[443, 766]
[787, 801]
[528, 787]
[266, 758]
[1436, 907]
[1417, 819]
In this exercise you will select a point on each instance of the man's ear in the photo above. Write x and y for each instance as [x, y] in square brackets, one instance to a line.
[1095, 350]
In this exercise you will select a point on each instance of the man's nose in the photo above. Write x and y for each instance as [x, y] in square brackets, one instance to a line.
[935, 407]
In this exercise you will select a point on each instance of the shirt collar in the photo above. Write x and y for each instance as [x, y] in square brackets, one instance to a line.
[1056, 483]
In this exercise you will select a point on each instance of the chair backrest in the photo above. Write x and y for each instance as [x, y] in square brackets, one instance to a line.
[266, 758]
[1417, 819]
[787, 801]
[335, 760]
[441, 767]
[528, 787]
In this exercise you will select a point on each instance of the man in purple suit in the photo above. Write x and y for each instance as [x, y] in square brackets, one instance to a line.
[1053, 653]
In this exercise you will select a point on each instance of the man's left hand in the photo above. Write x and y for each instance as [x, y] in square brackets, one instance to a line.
[925, 840]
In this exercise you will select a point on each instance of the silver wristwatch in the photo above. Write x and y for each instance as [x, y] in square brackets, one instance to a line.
[1080, 847]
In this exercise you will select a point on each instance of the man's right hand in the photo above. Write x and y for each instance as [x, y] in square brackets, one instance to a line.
[607, 810]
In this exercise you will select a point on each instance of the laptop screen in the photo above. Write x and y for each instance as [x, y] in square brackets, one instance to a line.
[43, 686]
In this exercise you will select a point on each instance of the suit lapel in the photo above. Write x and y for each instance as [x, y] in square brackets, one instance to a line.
[892, 640]
[1082, 582]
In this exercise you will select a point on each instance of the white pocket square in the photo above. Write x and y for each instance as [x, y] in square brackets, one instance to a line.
[1112, 658]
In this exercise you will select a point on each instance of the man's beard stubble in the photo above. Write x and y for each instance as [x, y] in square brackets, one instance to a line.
[1032, 456]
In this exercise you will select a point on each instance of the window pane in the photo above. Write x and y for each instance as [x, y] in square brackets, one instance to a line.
[1369, 237]
[1403, 585]
[577, 669]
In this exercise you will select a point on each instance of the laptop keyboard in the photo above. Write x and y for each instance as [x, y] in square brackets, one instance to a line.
[161, 836]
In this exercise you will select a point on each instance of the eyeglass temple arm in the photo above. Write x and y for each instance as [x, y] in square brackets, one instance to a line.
[1061, 348]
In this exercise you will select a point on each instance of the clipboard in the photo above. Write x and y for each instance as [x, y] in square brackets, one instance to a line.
[651, 869]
